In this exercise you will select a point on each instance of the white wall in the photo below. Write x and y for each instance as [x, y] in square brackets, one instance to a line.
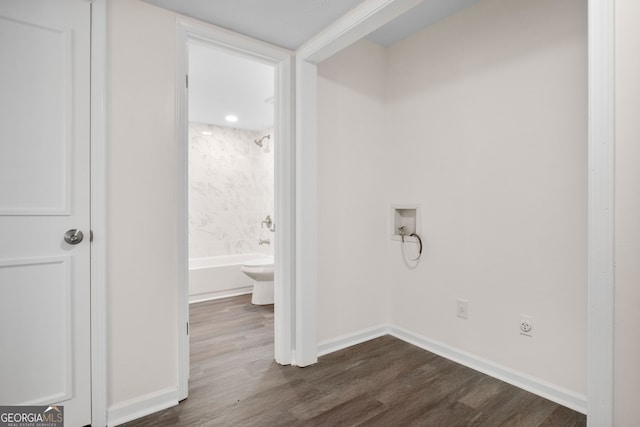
[627, 211]
[352, 181]
[486, 128]
[230, 191]
[489, 112]
[142, 213]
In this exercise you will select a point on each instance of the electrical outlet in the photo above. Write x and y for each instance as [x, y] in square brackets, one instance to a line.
[462, 308]
[526, 325]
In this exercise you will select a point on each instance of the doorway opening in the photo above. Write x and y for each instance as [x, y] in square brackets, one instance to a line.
[231, 145]
[235, 178]
[231, 176]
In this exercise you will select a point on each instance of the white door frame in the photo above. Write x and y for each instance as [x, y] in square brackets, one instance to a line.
[601, 308]
[98, 214]
[281, 59]
[369, 16]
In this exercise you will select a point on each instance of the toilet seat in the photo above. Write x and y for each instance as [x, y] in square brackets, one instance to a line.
[266, 261]
[260, 269]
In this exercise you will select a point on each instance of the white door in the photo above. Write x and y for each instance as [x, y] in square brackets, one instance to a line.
[44, 191]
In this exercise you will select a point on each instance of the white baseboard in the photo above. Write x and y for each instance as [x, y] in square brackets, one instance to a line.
[570, 399]
[349, 340]
[208, 296]
[141, 406]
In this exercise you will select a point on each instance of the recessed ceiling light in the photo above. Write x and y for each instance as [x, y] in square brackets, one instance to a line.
[231, 118]
[206, 133]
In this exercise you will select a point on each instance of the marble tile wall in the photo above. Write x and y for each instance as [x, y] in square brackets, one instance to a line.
[231, 190]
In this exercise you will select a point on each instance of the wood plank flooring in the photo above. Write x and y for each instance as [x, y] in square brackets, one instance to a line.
[384, 382]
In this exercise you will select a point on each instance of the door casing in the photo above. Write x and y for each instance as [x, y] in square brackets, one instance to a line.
[281, 59]
[98, 214]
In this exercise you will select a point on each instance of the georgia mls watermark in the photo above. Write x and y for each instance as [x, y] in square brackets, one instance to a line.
[31, 416]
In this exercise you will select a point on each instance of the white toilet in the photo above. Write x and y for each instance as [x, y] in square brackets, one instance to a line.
[261, 271]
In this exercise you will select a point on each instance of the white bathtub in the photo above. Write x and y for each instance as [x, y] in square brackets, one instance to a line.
[218, 277]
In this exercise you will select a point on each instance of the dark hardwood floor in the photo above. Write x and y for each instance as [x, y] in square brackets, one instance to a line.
[384, 382]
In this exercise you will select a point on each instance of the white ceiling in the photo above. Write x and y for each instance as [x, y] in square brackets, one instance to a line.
[422, 16]
[290, 23]
[286, 23]
[222, 83]
[241, 86]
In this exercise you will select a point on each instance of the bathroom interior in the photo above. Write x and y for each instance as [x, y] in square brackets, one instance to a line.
[231, 176]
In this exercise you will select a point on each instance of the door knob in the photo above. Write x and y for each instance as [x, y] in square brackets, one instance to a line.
[73, 236]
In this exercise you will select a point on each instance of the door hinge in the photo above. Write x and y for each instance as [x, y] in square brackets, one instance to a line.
[187, 81]
[187, 328]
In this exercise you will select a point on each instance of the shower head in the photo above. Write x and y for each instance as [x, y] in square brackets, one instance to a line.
[259, 141]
